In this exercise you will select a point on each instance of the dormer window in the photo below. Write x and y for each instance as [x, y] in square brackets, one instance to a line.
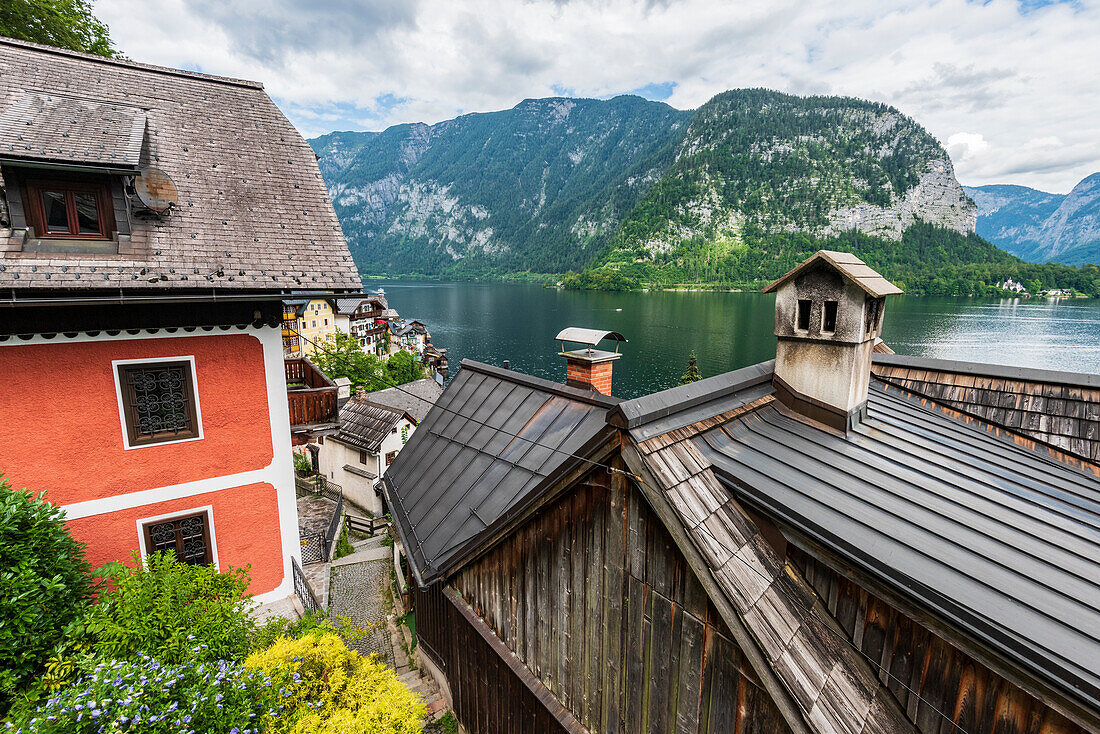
[804, 306]
[828, 317]
[71, 210]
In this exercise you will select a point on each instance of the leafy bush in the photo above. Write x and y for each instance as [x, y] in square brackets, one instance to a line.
[339, 690]
[45, 584]
[303, 462]
[147, 696]
[173, 612]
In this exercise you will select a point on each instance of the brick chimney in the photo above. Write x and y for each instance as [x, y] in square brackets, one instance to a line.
[587, 367]
[828, 313]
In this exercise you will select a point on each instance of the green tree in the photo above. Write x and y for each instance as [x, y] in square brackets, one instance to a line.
[691, 374]
[63, 23]
[403, 367]
[341, 356]
[45, 582]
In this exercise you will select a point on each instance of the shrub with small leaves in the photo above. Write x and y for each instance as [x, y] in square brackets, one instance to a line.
[337, 689]
[173, 612]
[45, 582]
[146, 696]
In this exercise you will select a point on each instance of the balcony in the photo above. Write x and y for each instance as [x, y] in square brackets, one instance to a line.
[312, 399]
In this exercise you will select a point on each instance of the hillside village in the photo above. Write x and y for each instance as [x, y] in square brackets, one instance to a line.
[265, 502]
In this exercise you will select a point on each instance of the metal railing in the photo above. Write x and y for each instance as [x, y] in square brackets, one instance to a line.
[303, 589]
[317, 546]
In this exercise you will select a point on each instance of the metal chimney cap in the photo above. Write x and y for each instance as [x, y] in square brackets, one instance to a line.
[591, 337]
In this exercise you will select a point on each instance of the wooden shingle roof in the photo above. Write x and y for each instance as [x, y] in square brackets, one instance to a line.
[850, 266]
[253, 211]
[365, 425]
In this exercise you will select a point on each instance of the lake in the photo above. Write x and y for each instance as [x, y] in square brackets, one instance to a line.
[493, 322]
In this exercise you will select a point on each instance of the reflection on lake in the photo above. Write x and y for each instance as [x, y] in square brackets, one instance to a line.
[493, 322]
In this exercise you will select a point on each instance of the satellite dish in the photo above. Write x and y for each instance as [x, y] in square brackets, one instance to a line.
[156, 190]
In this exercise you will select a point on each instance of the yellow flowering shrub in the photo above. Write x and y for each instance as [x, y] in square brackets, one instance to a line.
[336, 689]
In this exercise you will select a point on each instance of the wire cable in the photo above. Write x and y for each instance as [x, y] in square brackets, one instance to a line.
[809, 610]
[398, 387]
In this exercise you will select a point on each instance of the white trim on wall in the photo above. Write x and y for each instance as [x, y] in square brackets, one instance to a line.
[115, 363]
[208, 510]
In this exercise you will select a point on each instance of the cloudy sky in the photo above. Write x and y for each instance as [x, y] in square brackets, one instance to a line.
[1008, 86]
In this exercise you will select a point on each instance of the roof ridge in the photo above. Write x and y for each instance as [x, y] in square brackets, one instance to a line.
[127, 63]
[538, 383]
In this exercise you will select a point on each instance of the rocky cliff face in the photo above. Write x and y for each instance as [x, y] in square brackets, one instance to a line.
[1042, 227]
[937, 197]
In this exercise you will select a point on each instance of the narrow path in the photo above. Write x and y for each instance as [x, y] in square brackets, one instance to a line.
[359, 593]
[356, 593]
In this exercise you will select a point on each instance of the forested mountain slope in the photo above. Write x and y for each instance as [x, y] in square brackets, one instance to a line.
[539, 187]
[1042, 227]
[632, 193]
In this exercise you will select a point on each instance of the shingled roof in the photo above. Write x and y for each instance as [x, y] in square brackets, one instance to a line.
[851, 267]
[253, 211]
[365, 425]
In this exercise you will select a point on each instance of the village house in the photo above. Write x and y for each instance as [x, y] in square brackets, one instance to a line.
[374, 427]
[152, 221]
[838, 540]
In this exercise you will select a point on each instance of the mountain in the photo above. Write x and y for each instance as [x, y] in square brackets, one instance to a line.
[1042, 227]
[625, 192]
[759, 178]
[540, 187]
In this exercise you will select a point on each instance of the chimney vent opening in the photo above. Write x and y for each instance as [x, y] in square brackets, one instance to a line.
[828, 317]
[804, 306]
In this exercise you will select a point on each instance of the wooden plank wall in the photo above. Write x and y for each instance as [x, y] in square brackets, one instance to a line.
[488, 696]
[596, 600]
[938, 678]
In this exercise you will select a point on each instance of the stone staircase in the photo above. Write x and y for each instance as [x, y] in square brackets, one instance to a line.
[408, 671]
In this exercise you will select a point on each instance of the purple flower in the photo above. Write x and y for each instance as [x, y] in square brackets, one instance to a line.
[187, 719]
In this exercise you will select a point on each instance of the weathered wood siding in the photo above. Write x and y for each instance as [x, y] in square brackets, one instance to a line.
[937, 684]
[595, 599]
[491, 693]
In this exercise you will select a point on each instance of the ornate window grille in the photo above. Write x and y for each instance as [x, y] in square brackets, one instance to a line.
[158, 402]
[187, 537]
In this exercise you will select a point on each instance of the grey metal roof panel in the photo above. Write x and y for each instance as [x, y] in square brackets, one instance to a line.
[492, 441]
[661, 412]
[998, 539]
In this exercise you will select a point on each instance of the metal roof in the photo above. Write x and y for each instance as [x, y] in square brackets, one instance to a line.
[464, 471]
[999, 540]
[253, 213]
[851, 267]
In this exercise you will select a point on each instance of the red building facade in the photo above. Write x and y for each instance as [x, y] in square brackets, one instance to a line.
[143, 263]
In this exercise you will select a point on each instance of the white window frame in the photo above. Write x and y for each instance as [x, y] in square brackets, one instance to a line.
[208, 510]
[115, 364]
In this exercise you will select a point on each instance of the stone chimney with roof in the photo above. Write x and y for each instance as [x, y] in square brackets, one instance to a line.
[589, 368]
[828, 314]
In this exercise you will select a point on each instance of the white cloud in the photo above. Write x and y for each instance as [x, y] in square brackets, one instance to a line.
[992, 82]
